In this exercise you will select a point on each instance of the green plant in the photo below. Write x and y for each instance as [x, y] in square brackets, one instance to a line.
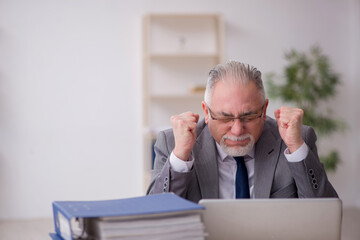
[309, 81]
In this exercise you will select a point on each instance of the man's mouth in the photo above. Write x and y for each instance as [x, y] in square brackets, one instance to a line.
[237, 142]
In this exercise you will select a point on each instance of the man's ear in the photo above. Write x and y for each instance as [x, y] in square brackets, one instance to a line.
[265, 108]
[206, 111]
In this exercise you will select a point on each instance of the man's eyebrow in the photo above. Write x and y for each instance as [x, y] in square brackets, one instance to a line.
[227, 114]
[251, 112]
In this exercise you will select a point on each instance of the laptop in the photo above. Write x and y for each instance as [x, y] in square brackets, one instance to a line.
[280, 219]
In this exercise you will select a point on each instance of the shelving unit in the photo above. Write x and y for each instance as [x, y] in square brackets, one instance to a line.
[178, 52]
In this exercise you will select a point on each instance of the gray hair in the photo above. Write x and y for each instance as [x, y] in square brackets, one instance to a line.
[233, 71]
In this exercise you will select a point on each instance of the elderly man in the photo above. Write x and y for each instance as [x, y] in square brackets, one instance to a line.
[237, 151]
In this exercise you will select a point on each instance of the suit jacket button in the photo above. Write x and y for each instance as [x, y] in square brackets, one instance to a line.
[315, 186]
[311, 172]
[166, 179]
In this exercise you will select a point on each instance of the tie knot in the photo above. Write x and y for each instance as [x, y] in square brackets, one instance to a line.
[239, 159]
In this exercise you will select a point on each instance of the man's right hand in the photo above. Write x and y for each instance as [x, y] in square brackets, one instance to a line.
[184, 128]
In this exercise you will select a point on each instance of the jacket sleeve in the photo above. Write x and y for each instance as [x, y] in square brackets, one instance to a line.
[163, 178]
[309, 175]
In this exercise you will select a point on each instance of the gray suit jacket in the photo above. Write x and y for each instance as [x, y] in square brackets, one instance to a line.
[275, 177]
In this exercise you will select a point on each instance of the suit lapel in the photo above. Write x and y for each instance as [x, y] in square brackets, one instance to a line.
[266, 156]
[205, 164]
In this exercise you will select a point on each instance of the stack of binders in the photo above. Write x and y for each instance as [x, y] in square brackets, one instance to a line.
[160, 216]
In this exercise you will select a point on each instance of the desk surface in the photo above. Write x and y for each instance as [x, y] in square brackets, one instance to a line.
[39, 229]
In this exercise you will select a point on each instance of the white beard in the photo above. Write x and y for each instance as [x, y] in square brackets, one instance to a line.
[238, 150]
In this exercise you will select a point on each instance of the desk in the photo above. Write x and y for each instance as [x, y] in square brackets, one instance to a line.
[39, 229]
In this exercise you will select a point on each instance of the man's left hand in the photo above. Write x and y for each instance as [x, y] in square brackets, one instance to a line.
[289, 121]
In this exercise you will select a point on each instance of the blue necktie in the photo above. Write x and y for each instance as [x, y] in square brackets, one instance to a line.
[242, 181]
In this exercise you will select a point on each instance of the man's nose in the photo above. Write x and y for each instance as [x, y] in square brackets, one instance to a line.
[237, 128]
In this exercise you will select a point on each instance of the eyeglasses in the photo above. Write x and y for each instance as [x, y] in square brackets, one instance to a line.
[245, 118]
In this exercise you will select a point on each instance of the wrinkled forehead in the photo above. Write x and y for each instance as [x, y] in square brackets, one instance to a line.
[234, 95]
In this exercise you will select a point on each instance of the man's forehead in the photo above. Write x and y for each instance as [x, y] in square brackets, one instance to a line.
[231, 87]
[234, 94]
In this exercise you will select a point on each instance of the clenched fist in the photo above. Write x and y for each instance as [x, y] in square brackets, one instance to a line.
[184, 128]
[290, 126]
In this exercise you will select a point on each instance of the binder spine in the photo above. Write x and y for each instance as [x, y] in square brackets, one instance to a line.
[62, 223]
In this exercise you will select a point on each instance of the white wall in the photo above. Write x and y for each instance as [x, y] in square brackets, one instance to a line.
[70, 89]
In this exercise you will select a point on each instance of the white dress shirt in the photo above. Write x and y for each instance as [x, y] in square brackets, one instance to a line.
[227, 168]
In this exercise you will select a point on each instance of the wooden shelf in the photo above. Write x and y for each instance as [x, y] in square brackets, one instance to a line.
[182, 55]
[193, 96]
